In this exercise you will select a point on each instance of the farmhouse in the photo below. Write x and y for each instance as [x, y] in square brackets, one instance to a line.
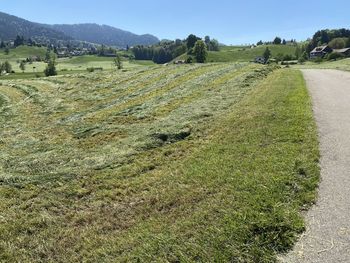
[320, 52]
[344, 51]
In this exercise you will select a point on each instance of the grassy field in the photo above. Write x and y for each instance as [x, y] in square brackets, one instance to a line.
[192, 163]
[75, 64]
[239, 54]
[245, 53]
[22, 52]
[343, 64]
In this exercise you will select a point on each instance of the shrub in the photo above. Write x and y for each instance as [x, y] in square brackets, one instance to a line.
[189, 59]
[317, 60]
[335, 56]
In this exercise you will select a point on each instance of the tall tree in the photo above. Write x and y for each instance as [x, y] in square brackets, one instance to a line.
[22, 66]
[118, 61]
[267, 55]
[207, 40]
[19, 41]
[2, 45]
[191, 41]
[277, 41]
[200, 51]
[51, 68]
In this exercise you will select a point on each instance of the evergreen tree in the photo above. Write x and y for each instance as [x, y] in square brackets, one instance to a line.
[259, 43]
[284, 42]
[22, 66]
[277, 41]
[51, 68]
[2, 45]
[200, 51]
[19, 41]
[207, 40]
[267, 55]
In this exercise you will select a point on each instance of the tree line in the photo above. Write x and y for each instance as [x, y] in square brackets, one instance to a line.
[168, 50]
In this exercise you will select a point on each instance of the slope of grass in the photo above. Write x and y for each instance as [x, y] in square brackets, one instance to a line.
[22, 52]
[343, 64]
[163, 164]
[239, 54]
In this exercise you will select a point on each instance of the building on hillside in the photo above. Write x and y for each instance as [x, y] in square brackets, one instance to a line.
[179, 62]
[344, 51]
[260, 60]
[320, 52]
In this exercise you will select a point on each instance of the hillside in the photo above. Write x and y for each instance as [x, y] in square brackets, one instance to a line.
[227, 53]
[11, 26]
[164, 164]
[22, 52]
[107, 35]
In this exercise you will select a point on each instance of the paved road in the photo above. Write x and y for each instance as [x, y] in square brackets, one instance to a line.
[327, 238]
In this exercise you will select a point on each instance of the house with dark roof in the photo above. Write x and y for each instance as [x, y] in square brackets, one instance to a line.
[344, 51]
[320, 52]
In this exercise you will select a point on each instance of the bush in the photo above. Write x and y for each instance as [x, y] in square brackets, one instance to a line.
[317, 60]
[189, 60]
[335, 56]
[288, 57]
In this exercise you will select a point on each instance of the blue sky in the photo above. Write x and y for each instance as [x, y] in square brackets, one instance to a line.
[231, 22]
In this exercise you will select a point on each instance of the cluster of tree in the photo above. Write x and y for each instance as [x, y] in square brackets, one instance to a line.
[336, 38]
[277, 41]
[300, 54]
[167, 50]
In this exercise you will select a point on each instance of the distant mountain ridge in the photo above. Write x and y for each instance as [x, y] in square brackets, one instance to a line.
[103, 34]
[11, 26]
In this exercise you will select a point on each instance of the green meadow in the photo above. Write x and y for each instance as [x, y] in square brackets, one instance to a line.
[189, 163]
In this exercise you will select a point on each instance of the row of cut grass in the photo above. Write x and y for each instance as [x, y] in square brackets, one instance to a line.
[220, 176]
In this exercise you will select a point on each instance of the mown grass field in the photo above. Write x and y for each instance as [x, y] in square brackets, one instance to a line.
[343, 64]
[192, 163]
[241, 54]
[64, 65]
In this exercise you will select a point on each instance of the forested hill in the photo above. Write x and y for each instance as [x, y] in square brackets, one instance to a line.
[107, 35]
[11, 26]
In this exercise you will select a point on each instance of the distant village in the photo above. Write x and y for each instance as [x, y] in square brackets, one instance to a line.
[62, 48]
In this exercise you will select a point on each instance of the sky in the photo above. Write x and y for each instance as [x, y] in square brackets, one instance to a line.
[231, 22]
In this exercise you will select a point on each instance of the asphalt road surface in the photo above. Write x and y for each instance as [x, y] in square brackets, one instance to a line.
[327, 238]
